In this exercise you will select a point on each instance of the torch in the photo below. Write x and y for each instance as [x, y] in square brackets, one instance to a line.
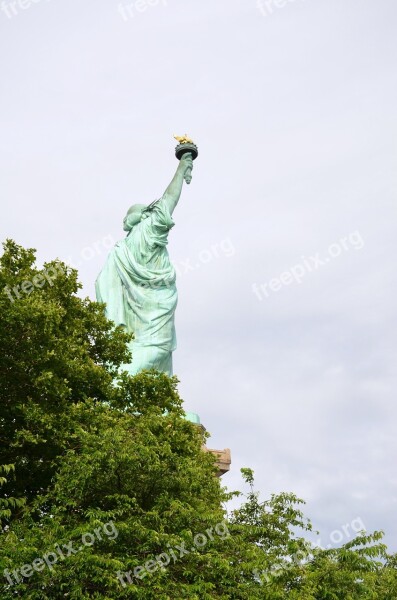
[186, 145]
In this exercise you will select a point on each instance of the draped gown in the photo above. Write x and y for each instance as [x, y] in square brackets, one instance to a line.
[138, 285]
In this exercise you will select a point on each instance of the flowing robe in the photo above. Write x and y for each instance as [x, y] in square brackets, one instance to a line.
[138, 286]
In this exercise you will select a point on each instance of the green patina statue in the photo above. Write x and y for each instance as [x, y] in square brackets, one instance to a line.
[137, 282]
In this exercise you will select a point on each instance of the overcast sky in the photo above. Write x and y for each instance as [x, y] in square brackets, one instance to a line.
[285, 241]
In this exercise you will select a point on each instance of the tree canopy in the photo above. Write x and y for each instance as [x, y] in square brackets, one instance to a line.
[106, 490]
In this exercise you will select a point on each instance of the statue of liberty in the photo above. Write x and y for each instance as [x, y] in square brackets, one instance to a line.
[138, 281]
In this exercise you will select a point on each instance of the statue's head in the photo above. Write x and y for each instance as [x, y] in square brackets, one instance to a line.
[133, 216]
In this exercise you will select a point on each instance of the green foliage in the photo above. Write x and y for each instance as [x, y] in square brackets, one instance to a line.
[289, 567]
[87, 456]
[56, 350]
[8, 504]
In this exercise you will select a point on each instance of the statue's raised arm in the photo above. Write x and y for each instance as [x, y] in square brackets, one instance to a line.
[173, 192]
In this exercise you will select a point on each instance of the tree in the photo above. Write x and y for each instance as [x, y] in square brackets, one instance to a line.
[294, 569]
[57, 349]
[112, 495]
[7, 504]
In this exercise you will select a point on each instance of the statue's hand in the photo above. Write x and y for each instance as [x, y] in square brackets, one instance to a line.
[186, 163]
[186, 166]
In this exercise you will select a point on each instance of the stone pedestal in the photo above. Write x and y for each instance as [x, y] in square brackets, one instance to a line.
[223, 456]
[224, 460]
